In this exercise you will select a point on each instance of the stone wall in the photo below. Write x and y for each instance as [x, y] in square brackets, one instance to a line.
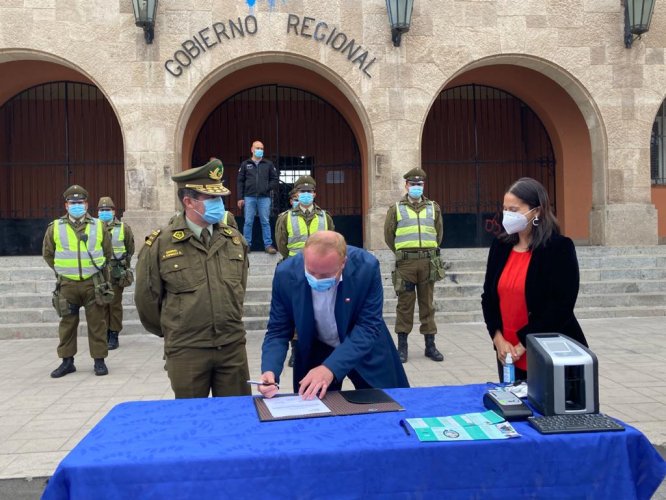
[577, 43]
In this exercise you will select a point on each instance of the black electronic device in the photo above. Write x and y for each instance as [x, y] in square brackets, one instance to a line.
[574, 422]
[507, 405]
[562, 375]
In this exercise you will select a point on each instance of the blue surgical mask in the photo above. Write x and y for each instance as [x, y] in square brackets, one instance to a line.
[105, 215]
[259, 153]
[77, 211]
[213, 210]
[306, 198]
[294, 204]
[415, 191]
[320, 285]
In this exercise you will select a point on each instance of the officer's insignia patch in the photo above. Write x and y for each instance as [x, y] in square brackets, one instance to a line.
[152, 236]
[236, 240]
[171, 253]
[178, 235]
[215, 174]
[228, 231]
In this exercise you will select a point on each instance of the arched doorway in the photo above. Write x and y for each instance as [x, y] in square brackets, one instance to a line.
[477, 140]
[53, 135]
[303, 135]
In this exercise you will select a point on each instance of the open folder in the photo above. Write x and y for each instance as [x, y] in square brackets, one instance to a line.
[355, 402]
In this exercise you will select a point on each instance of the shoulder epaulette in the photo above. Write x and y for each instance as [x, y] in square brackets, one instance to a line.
[152, 236]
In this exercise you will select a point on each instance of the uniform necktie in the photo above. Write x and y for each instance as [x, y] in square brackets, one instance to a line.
[205, 237]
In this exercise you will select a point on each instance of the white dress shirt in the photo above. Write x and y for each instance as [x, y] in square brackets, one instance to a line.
[323, 304]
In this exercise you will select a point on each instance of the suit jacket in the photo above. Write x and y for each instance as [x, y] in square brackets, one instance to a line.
[365, 342]
[551, 289]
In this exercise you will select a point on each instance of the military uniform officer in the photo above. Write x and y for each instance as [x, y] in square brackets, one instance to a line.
[294, 226]
[77, 248]
[413, 230]
[190, 288]
[120, 271]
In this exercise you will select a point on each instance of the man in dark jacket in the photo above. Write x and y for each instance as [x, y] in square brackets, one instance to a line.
[257, 177]
[333, 296]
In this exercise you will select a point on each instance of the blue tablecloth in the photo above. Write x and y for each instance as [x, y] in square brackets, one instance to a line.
[217, 448]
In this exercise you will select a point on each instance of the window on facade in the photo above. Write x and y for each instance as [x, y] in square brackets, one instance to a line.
[658, 147]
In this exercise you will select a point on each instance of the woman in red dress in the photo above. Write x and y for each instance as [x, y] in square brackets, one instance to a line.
[532, 277]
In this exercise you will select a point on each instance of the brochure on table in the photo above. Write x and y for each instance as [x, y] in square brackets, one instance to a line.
[464, 427]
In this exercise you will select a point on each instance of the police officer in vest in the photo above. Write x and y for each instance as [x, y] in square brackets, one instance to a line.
[413, 230]
[191, 278]
[120, 270]
[77, 248]
[294, 226]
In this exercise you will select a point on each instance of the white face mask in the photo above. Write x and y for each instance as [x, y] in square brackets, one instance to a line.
[515, 222]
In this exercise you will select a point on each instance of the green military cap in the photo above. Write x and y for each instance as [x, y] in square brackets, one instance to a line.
[305, 183]
[206, 179]
[415, 174]
[105, 202]
[74, 193]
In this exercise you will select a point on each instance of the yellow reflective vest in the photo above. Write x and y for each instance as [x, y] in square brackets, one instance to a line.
[298, 229]
[118, 240]
[71, 258]
[415, 229]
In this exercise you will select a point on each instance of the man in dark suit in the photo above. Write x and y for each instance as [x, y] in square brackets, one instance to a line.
[333, 296]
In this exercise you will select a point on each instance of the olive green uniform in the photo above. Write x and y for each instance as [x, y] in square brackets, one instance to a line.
[114, 310]
[192, 295]
[414, 267]
[79, 294]
[281, 235]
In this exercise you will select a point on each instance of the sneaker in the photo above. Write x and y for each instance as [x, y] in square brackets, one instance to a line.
[271, 249]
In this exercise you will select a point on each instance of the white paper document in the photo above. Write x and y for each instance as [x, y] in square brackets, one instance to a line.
[294, 406]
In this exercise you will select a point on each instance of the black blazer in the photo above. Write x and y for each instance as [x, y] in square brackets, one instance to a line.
[551, 289]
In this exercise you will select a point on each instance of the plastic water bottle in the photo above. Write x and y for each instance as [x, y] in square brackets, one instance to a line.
[509, 370]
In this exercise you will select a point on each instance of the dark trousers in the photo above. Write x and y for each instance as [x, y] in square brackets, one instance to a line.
[318, 355]
[82, 294]
[416, 272]
[196, 372]
[114, 310]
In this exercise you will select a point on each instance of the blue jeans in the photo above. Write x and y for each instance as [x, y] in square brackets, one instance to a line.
[261, 204]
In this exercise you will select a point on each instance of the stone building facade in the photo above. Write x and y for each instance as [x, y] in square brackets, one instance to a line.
[565, 60]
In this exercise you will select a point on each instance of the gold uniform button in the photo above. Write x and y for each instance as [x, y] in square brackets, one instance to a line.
[240, 255]
[175, 266]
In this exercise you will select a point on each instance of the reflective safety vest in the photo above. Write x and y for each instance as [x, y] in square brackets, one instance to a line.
[118, 241]
[415, 230]
[298, 230]
[71, 257]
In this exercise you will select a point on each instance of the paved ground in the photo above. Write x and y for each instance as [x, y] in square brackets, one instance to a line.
[41, 419]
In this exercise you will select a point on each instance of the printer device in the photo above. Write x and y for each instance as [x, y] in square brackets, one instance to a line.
[562, 375]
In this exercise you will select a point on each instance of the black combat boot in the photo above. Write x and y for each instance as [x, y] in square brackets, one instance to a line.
[431, 349]
[402, 346]
[67, 366]
[100, 367]
[292, 356]
[112, 340]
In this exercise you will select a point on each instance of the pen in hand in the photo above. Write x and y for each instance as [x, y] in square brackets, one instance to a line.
[403, 424]
[259, 382]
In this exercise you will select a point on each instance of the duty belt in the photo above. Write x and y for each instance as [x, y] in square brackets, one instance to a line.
[416, 254]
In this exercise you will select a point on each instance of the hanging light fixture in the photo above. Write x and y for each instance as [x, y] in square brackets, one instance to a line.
[400, 17]
[637, 17]
[144, 15]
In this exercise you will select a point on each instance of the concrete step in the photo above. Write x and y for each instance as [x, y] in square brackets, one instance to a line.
[257, 325]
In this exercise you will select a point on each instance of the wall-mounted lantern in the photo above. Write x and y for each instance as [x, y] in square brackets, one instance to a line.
[637, 17]
[400, 17]
[144, 15]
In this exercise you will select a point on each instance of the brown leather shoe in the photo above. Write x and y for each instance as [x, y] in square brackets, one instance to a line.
[271, 249]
